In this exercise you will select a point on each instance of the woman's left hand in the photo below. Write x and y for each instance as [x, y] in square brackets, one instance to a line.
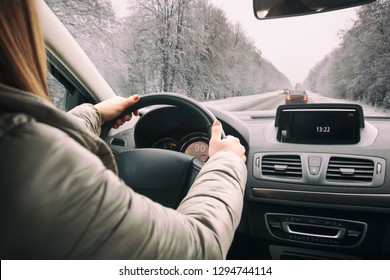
[111, 108]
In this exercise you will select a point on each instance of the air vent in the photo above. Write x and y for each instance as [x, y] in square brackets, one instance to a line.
[118, 142]
[350, 169]
[288, 166]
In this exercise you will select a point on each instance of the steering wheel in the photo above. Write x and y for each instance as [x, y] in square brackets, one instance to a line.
[162, 175]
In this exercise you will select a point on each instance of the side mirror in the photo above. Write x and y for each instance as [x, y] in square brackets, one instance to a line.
[267, 9]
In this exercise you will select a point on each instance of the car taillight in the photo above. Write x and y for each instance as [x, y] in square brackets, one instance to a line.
[305, 98]
[288, 97]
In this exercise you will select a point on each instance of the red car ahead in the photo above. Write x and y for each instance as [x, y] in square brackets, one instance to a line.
[296, 96]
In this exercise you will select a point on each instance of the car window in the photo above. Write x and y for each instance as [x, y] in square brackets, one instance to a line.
[57, 91]
[215, 50]
[65, 91]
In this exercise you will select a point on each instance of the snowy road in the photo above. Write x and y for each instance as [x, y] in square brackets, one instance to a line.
[258, 102]
[271, 100]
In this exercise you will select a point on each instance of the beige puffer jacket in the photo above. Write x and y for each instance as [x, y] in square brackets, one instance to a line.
[61, 197]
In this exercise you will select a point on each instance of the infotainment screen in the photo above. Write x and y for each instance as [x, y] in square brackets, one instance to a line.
[319, 125]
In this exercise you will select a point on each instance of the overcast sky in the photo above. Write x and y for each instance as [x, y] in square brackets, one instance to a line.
[293, 45]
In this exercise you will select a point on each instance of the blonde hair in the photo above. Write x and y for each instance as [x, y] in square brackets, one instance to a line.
[22, 52]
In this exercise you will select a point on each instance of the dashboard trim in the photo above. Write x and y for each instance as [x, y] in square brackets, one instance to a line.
[374, 200]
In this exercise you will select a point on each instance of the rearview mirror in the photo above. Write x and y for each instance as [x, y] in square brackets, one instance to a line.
[266, 9]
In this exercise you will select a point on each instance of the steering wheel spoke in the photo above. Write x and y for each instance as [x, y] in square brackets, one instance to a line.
[162, 175]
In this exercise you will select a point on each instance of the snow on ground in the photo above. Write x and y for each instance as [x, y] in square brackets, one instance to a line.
[244, 103]
[368, 110]
[240, 103]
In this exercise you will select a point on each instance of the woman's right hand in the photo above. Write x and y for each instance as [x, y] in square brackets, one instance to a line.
[229, 144]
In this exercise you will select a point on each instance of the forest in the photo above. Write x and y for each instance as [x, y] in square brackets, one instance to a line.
[359, 69]
[183, 46]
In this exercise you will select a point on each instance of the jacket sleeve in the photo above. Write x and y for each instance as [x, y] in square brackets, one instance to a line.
[214, 203]
[71, 206]
[201, 228]
[87, 116]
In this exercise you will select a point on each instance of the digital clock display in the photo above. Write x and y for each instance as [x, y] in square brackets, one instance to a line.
[320, 126]
[325, 129]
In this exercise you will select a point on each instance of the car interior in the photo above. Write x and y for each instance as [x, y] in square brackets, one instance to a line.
[318, 183]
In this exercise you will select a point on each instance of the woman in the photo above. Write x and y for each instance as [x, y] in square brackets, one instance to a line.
[60, 195]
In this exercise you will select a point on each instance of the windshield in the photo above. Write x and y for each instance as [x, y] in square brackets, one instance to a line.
[215, 51]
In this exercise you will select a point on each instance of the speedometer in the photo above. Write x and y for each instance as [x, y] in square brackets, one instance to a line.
[196, 144]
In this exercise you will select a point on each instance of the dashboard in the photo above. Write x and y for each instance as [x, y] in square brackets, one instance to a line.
[302, 200]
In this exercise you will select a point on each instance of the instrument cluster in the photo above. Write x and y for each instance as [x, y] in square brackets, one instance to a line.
[195, 144]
